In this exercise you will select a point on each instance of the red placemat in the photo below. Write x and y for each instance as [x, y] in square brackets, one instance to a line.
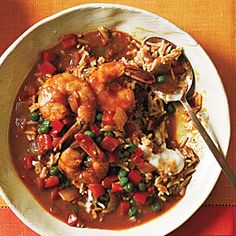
[208, 220]
[213, 25]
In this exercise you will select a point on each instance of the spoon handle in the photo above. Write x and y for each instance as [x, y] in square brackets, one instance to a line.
[218, 155]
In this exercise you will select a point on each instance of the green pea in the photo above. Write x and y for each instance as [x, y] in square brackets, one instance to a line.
[124, 181]
[160, 79]
[132, 147]
[132, 211]
[89, 133]
[156, 206]
[54, 171]
[126, 153]
[142, 186]
[122, 173]
[108, 133]
[44, 130]
[98, 139]
[128, 187]
[99, 117]
[41, 119]
[133, 202]
[67, 184]
[34, 116]
[46, 123]
[170, 108]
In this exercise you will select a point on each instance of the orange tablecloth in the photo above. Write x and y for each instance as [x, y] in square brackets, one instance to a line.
[211, 23]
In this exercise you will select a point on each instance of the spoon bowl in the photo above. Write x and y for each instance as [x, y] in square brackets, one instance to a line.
[184, 86]
[179, 93]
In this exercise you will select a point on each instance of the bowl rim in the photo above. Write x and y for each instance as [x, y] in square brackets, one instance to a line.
[8, 51]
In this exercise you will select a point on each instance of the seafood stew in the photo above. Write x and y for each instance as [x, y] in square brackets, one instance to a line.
[89, 138]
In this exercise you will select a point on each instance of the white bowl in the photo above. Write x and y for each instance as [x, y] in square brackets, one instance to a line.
[16, 62]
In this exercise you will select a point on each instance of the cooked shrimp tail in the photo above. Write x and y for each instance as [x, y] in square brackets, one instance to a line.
[71, 159]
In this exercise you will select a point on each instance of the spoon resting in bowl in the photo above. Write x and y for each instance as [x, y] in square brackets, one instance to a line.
[179, 93]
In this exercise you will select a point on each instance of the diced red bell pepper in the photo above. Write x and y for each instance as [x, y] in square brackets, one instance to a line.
[44, 142]
[124, 207]
[72, 219]
[47, 68]
[41, 183]
[54, 194]
[139, 162]
[112, 157]
[138, 153]
[94, 128]
[107, 118]
[107, 182]
[96, 189]
[135, 177]
[177, 68]
[48, 56]
[109, 143]
[116, 188]
[51, 181]
[140, 197]
[27, 162]
[57, 126]
[69, 41]
[137, 157]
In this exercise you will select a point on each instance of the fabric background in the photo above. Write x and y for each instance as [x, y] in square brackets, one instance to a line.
[211, 23]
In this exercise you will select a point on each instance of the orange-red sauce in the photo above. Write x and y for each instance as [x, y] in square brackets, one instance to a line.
[116, 48]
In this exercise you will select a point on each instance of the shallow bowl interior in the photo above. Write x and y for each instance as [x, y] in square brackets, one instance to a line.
[16, 62]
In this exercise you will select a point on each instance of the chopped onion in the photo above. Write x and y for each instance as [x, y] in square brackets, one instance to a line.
[34, 148]
[120, 118]
[111, 205]
[68, 194]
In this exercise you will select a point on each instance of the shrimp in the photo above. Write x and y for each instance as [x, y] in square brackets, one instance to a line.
[71, 160]
[63, 89]
[110, 94]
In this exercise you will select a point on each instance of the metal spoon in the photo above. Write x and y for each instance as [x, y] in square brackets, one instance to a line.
[180, 95]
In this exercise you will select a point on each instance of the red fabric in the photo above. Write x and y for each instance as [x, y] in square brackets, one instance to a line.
[10, 225]
[208, 221]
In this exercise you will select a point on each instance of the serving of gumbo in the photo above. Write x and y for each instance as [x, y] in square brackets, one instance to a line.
[89, 138]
